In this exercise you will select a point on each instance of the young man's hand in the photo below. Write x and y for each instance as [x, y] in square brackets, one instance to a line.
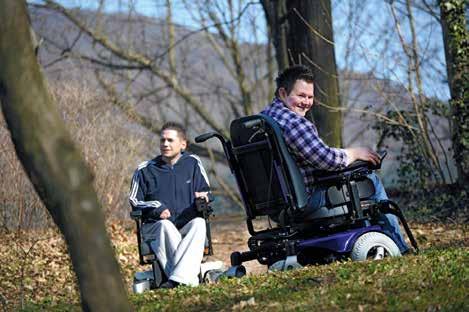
[361, 153]
[202, 194]
[165, 214]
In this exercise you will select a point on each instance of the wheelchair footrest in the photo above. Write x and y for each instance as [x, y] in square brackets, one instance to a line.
[237, 258]
[236, 271]
[143, 281]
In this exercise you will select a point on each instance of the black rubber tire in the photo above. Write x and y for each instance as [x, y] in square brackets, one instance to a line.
[366, 246]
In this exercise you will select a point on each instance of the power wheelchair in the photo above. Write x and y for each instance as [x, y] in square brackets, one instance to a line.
[152, 279]
[272, 186]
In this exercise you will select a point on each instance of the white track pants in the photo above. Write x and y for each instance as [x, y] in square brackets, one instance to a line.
[180, 252]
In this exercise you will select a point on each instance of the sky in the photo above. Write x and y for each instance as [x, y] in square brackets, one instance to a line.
[364, 33]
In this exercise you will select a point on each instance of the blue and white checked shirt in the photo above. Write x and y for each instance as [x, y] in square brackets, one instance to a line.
[308, 150]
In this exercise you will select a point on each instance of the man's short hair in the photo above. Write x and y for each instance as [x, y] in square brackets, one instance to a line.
[171, 125]
[289, 76]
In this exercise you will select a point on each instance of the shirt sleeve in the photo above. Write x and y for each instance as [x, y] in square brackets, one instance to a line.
[201, 183]
[303, 140]
[137, 196]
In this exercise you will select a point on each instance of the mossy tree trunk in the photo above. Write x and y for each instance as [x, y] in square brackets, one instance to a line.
[54, 164]
[456, 40]
[303, 34]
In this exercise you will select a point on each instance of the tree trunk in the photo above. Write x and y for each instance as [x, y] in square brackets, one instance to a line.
[276, 13]
[456, 40]
[54, 164]
[303, 34]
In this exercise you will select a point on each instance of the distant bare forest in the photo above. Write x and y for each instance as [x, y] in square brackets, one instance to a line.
[203, 77]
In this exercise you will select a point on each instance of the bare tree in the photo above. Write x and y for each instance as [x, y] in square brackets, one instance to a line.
[54, 165]
[415, 88]
[155, 80]
[393, 66]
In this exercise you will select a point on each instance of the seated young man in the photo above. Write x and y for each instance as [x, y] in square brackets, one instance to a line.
[294, 97]
[165, 189]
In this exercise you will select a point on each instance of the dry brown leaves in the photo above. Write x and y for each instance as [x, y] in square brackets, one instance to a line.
[35, 266]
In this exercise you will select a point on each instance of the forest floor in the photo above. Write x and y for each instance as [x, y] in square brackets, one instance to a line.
[36, 274]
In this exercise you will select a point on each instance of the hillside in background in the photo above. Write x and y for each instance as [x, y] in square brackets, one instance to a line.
[202, 70]
[114, 145]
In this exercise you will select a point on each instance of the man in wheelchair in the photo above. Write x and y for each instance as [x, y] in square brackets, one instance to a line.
[294, 98]
[163, 197]
[325, 202]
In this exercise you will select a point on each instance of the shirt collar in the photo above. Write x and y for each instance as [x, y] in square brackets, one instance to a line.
[278, 104]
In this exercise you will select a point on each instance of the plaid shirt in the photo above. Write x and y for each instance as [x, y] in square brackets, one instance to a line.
[301, 136]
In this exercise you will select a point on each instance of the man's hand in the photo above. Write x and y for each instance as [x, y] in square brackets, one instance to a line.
[361, 153]
[202, 194]
[165, 214]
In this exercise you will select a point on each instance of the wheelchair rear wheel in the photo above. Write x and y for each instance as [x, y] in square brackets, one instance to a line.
[374, 246]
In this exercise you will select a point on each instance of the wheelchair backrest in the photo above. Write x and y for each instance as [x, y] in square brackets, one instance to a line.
[267, 175]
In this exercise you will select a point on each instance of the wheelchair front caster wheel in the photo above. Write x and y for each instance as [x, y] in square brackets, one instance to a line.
[374, 246]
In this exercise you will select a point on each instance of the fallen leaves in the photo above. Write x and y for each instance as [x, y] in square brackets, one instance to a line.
[35, 265]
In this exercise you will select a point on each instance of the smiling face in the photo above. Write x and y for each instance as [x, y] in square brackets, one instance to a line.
[171, 145]
[301, 97]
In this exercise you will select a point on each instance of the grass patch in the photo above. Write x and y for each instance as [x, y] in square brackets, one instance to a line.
[435, 280]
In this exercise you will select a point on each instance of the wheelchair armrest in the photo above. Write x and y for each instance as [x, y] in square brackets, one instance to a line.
[359, 164]
[356, 165]
[136, 214]
[358, 168]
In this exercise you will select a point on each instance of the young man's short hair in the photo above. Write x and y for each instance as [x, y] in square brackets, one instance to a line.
[171, 125]
[289, 76]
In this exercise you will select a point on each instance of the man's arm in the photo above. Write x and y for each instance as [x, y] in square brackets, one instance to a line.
[138, 190]
[302, 138]
[201, 183]
[200, 186]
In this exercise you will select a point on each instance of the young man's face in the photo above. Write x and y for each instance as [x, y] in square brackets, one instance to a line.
[171, 144]
[301, 97]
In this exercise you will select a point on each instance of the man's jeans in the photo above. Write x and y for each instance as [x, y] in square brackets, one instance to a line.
[390, 221]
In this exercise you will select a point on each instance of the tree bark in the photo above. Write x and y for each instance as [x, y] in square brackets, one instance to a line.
[276, 12]
[303, 34]
[54, 165]
[456, 41]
